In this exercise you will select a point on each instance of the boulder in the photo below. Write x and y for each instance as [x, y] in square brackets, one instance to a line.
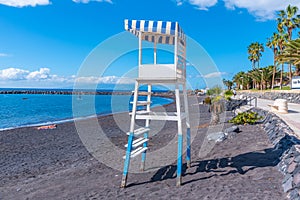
[217, 137]
[232, 129]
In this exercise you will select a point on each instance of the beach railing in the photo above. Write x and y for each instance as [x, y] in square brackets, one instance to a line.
[250, 100]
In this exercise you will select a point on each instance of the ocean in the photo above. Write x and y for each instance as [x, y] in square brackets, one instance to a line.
[20, 110]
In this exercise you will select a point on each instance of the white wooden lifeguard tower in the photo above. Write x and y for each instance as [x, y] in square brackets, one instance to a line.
[150, 74]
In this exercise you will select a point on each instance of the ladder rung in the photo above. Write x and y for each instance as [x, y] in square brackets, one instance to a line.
[172, 116]
[141, 112]
[137, 152]
[142, 103]
[138, 142]
[140, 131]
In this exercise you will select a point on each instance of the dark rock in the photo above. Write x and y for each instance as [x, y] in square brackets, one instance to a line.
[296, 179]
[286, 178]
[217, 137]
[294, 194]
[232, 129]
[297, 159]
[297, 170]
[290, 97]
[291, 167]
[288, 185]
[234, 104]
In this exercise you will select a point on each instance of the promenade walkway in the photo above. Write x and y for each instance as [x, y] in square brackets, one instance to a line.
[292, 118]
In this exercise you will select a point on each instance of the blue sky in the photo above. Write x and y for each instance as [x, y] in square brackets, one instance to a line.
[44, 42]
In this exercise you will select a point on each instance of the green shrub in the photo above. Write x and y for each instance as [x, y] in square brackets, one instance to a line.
[216, 99]
[228, 93]
[246, 118]
[228, 98]
[217, 90]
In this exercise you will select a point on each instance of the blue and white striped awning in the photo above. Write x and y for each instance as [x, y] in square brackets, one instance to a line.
[163, 31]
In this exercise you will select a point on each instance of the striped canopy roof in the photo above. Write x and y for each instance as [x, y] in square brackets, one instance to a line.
[163, 30]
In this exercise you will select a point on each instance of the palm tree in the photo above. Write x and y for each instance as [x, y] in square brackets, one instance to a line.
[273, 44]
[288, 20]
[282, 40]
[255, 75]
[238, 79]
[291, 54]
[254, 50]
[260, 48]
[252, 54]
[242, 80]
[266, 76]
[228, 84]
[247, 80]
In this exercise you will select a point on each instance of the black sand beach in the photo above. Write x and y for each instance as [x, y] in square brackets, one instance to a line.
[54, 164]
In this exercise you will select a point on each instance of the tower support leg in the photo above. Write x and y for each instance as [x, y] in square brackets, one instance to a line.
[180, 139]
[188, 129]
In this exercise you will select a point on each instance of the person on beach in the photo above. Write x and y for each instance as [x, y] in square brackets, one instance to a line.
[234, 92]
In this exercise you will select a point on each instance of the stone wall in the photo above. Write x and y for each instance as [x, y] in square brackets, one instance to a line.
[287, 147]
[290, 96]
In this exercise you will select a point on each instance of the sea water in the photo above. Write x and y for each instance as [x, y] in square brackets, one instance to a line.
[19, 110]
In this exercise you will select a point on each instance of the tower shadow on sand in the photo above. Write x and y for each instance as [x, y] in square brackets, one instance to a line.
[241, 164]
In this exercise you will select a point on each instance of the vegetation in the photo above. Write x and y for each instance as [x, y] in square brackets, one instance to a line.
[217, 90]
[216, 106]
[246, 118]
[216, 99]
[228, 94]
[228, 84]
[254, 51]
[286, 52]
[207, 100]
[291, 54]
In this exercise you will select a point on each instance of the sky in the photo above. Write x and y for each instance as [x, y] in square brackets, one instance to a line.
[45, 43]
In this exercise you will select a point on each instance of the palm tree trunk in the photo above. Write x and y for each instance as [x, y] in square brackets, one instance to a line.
[274, 71]
[290, 70]
[297, 72]
[281, 76]
[290, 31]
[273, 77]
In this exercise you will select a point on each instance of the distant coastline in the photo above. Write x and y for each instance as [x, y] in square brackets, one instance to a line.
[77, 92]
[32, 107]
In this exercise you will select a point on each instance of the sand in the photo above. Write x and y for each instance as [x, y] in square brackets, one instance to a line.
[54, 164]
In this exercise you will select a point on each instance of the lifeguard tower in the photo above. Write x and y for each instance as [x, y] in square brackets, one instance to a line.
[157, 32]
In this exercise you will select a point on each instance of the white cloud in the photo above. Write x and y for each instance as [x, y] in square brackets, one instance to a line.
[23, 3]
[199, 4]
[261, 9]
[33, 3]
[4, 55]
[214, 74]
[103, 80]
[179, 3]
[87, 1]
[13, 74]
[42, 74]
